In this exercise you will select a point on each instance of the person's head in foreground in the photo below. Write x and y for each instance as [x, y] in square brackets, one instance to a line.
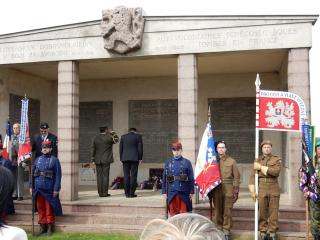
[6, 189]
[184, 226]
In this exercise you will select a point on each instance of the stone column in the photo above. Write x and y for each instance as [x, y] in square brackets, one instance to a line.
[68, 128]
[298, 83]
[187, 105]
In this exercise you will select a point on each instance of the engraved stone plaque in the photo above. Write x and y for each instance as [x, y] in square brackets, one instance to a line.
[233, 120]
[92, 116]
[33, 113]
[157, 121]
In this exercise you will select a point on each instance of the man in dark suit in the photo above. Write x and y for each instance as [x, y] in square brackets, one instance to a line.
[44, 135]
[131, 152]
[102, 157]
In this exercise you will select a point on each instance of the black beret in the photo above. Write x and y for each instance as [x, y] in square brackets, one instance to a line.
[44, 125]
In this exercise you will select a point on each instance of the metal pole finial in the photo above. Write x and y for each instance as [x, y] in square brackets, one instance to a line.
[258, 82]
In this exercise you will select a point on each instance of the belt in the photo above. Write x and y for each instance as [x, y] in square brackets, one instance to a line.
[178, 178]
[227, 180]
[268, 180]
[48, 174]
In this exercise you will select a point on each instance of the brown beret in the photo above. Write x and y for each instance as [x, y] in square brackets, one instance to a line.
[265, 142]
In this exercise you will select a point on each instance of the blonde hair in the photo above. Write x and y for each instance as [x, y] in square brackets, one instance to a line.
[185, 226]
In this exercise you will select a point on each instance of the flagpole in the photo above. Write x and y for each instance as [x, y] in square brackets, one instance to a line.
[303, 122]
[256, 182]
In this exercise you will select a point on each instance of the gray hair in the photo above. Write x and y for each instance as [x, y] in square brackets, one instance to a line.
[185, 226]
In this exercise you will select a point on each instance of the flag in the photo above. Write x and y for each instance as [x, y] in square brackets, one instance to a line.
[307, 175]
[280, 111]
[24, 152]
[7, 141]
[207, 169]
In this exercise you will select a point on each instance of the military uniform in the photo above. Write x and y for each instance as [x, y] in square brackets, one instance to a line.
[102, 156]
[315, 206]
[178, 174]
[226, 193]
[269, 193]
[46, 179]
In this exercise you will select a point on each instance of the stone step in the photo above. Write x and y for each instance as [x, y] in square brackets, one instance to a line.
[138, 208]
[239, 223]
[286, 225]
[101, 208]
[89, 218]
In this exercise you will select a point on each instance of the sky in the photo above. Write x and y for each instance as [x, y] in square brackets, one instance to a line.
[21, 15]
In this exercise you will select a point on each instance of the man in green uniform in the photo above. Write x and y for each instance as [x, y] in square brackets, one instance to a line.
[226, 194]
[268, 167]
[315, 206]
[102, 157]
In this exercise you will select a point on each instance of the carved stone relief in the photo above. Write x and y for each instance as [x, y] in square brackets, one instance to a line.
[122, 29]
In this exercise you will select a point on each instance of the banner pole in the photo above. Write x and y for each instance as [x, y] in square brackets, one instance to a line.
[256, 155]
[307, 218]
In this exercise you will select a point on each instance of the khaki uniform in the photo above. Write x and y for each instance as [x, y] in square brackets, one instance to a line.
[102, 156]
[223, 194]
[269, 193]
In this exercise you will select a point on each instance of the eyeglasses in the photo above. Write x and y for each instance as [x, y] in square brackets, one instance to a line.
[176, 149]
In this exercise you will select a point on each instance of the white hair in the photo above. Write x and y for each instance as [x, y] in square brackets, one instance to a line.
[185, 226]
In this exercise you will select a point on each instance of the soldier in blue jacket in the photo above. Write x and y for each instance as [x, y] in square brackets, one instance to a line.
[46, 185]
[178, 182]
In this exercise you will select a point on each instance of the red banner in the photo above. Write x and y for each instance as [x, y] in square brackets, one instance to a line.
[281, 111]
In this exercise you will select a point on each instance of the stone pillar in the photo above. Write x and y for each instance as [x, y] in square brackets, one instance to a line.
[68, 128]
[187, 105]
[298, 83]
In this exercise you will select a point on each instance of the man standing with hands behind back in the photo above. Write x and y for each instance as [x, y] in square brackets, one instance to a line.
[131, 152]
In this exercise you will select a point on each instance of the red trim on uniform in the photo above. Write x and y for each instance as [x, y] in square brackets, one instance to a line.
[177, 206]
[45, 211]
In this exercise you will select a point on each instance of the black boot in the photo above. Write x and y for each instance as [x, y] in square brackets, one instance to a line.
[50, 229]
[263, 236]
[273, 236]
[43, 229]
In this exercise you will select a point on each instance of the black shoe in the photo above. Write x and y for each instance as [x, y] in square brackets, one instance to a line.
[133, 196]
[227, 237]
[43, 229]
[50, 229]
[14, 198]
[273, 236]
[20, 198]
[104, 195]
[263, 236]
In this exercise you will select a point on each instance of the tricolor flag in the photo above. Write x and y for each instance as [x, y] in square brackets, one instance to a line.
[25, 151]
[207, 170]
[7, 142]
